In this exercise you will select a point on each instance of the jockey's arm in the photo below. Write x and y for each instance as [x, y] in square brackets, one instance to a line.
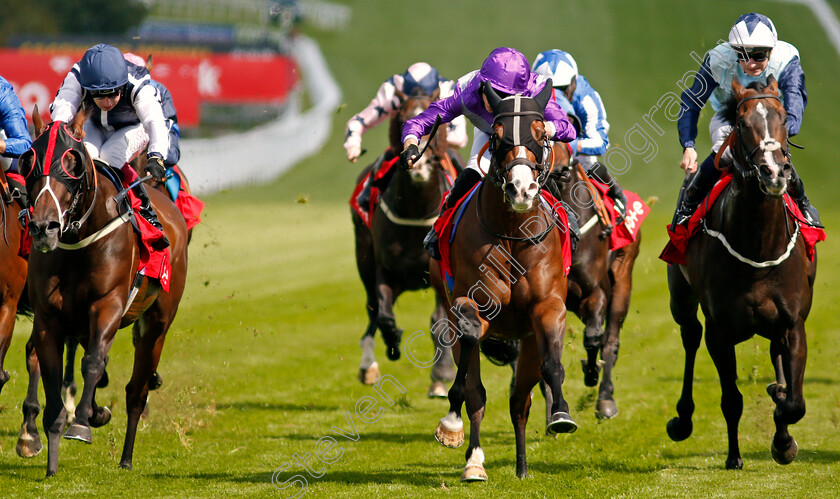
[148, 109]
[380, 108]
[68, 99]
[557, 124]
[692, 101]
[448, 109]
[591, 143]
[792, 87]
[13, 123]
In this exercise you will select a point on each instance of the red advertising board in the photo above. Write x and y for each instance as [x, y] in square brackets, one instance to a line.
[192, 78]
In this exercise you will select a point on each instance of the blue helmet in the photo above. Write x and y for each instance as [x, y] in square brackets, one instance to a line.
[558, 65]
[420, 75]
[103, 69]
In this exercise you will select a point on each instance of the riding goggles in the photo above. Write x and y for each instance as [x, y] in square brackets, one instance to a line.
[104, 94]
[756, 55]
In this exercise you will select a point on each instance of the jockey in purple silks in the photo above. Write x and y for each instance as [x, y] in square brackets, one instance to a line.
[509, 73]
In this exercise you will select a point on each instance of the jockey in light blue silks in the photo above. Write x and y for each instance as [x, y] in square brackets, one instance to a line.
[574, 94]
[753, 54]
[507, 71]
[421, 78]
[14, 134]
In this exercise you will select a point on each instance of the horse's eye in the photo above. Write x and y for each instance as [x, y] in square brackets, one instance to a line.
[25, 162]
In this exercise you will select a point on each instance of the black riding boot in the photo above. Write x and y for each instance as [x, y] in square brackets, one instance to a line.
[574, 226]
[797, 192]
[465, 181]
[695, 188]
[599, 172]
[147, 212]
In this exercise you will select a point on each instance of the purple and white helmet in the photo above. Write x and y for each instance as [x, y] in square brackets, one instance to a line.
[506, 70]
[753, 31]
[558, 65]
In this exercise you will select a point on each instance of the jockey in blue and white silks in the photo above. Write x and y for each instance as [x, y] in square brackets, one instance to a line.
[508, 72]
[14, 134]
[753, 54]
[125, 115]
[577, 97]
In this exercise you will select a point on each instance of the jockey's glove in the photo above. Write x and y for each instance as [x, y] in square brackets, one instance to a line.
[411, 153]
[155, 168]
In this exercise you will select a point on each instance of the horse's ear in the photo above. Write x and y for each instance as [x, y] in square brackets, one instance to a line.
[772, 85]
[492, 97]
[401, 96]
[737, 88]
[436, 94]
[77, 127]
[37, 122]
[545, 94]
[149, 63]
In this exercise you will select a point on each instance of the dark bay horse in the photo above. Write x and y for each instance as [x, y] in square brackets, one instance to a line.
[390, 255]
[509, 282]
[12, 273]
[600, 282]
[82, 269]
[750, 273]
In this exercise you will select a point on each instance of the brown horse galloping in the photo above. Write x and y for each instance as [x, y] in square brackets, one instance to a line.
[82, 269]
[751, 274]
[389, 253]
[509, 282]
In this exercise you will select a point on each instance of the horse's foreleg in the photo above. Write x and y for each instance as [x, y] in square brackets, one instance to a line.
[526, 375]
[791, 407]
[684, 311]
[476, 399]
[7, 327]
[29, 441]
[150, 335]
[68, 387]
[368, 367]
[731, 400]
[592, 313]
[104, 326]
[49, 350]
[549, 323]
[386, 294]
[444, 369]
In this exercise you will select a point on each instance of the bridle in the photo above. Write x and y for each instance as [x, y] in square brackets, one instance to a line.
[498, 173]
[753, 168]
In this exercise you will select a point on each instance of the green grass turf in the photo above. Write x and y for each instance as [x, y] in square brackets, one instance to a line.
[261, 361]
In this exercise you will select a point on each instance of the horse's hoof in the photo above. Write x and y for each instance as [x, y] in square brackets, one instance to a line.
[606, 409]
[126, 465]
[777, 392]
[590, 375]
[370, 375]
[101, 418]
[155, 381]
[561, 422]
[79, 432]
[785, 456]
[438, 390]
[735, 464]
[449, 438]
[28, 445]
[679, 431]
[393, 353]
[474, 473]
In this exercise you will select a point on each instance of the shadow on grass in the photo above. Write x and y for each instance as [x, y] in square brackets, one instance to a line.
[274, 406]
[263, 477]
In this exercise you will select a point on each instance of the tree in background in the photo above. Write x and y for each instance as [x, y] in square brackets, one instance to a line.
[64, 17]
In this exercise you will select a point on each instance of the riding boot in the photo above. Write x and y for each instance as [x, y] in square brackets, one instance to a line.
[148, 212]
[574, 226]
[599, 172]
[695, 188]
[364, 197]
[463, 183]
[797, 192]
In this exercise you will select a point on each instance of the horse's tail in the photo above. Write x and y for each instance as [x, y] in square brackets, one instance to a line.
[500, 352]
[24, 308]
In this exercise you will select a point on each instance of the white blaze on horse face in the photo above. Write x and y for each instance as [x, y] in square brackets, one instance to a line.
[525, 187]
[47, 189]
[768, 144]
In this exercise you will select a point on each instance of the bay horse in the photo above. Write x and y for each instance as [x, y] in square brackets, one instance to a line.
[83, 280]
[390, 255]
[600, 281]
[508, 282]
[12, 272]
[750, 273]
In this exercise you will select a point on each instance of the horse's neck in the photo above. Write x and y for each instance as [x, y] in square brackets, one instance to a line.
[577, 195]
[755, 224]
[410, 199]
[97, 203]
